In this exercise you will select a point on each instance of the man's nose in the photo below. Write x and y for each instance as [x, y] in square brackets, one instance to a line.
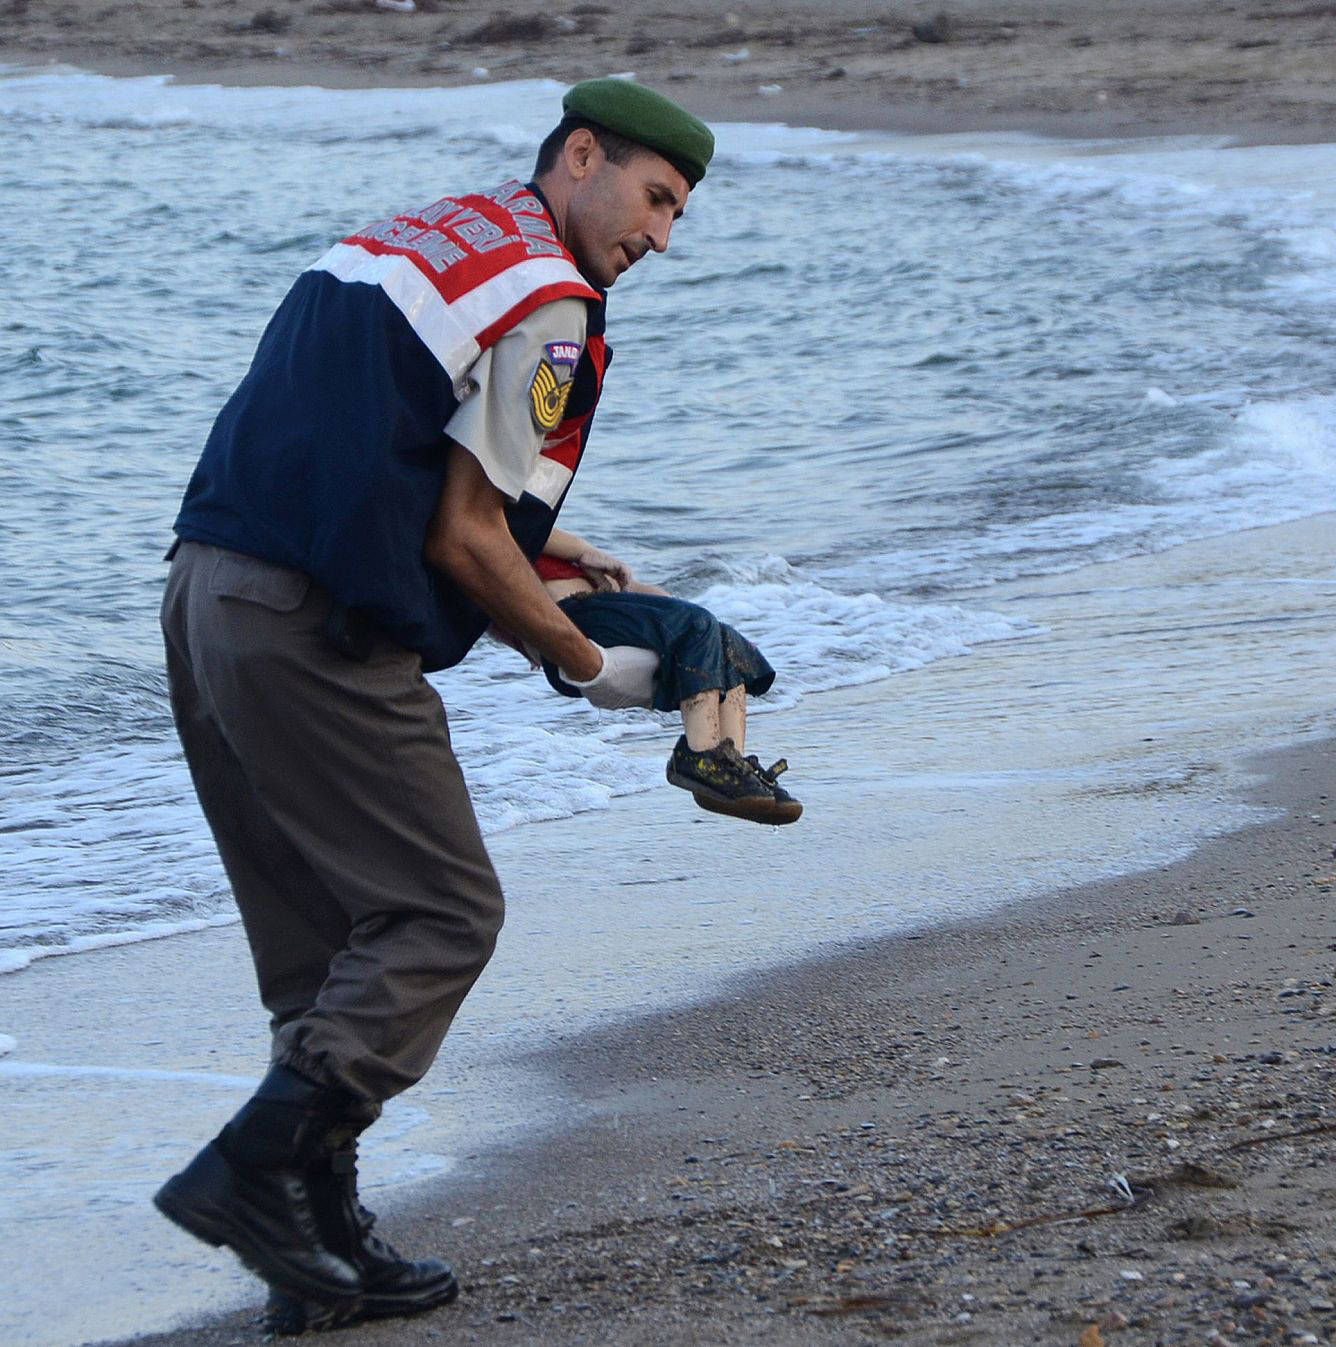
[660, 226]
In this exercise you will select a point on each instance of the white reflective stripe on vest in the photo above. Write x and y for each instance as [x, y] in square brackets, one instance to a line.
[448, 329]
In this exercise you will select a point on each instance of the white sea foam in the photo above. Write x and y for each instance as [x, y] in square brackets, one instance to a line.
[22, 956]
[1271, 463]
[511, 115]
[153, 101]
[1289, 192]
[19, 1070]
[1285, 451]
[824, 640]
[109, 846]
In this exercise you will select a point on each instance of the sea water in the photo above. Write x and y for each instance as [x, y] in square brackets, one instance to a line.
[869, 380]
[928, 417]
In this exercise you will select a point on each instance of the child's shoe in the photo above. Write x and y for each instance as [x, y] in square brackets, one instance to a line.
[770, 776]
[724, 782]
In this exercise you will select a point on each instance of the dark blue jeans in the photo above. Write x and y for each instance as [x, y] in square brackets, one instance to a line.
[697, 653]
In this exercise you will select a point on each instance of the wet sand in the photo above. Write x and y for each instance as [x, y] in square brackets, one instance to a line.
[1260, 71]
[927, 1139]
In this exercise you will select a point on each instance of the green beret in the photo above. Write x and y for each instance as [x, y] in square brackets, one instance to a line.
[642, 115]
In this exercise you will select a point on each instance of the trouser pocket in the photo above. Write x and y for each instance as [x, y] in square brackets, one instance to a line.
[237, 576]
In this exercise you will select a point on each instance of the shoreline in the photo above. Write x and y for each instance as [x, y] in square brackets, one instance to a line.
[895, 1137]
[1089, 774]
[1065, 70]
[751, 998]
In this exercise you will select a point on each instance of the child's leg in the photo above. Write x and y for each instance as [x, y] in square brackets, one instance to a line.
[733, 717]
[700, 720]
[707, 718]
[710, 764]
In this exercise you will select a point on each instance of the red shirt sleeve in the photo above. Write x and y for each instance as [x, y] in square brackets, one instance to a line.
[549, 568]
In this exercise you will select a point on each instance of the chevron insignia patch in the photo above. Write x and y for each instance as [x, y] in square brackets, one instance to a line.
[550, 387]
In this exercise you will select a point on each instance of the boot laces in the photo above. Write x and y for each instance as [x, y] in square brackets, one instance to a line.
[380, 1247]
[769, 774]
[343, 1162]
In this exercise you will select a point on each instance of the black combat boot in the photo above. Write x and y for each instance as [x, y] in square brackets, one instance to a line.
[247, 1189]
[391, 1285]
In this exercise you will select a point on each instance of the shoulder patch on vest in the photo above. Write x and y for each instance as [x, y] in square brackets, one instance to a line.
[550, 387]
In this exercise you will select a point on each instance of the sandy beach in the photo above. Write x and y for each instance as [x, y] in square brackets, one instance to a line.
[1112, 1107]
[1260, 72]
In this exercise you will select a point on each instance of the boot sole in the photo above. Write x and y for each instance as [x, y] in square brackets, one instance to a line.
[216, 1228]
[753, 810]
[308, 1316]
[390, 1307]
[297, 1316]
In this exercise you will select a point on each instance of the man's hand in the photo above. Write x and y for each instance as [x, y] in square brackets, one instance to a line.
[603, 570]
[626, 678]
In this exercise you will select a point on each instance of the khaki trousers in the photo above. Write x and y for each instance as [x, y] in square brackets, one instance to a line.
[342, 818]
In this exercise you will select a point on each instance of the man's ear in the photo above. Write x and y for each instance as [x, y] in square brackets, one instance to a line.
[580, 152]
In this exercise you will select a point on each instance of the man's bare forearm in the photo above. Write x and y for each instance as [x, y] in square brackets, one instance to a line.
[501, 582]
[470, 542]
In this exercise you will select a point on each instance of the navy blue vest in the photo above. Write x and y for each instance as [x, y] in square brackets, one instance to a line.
[329, 457]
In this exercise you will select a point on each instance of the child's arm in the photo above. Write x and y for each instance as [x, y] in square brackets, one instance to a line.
[564, 546]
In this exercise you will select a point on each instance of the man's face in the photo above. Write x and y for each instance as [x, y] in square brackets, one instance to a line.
[618, 212]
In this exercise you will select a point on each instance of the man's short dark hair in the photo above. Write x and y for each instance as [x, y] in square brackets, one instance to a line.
[616, 149]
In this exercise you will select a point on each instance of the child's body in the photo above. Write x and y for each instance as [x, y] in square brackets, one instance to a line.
[705, 669]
